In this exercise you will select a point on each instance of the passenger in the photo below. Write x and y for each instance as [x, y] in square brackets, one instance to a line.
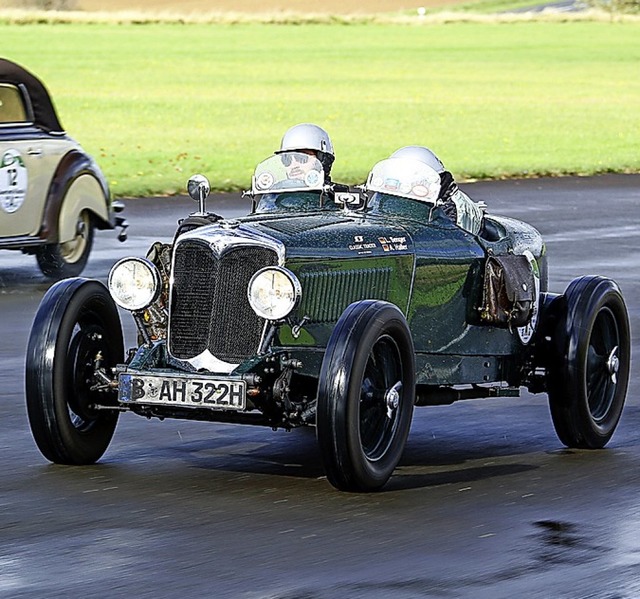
[307, 138]
[456, 204]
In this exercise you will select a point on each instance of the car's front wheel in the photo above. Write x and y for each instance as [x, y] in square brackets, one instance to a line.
[366, 394]
[68, 259]
[76, 324]
[588, 369]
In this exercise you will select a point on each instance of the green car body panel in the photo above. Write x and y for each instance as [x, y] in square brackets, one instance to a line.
[408, 254]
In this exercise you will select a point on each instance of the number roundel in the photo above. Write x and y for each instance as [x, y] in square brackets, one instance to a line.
[13, 181]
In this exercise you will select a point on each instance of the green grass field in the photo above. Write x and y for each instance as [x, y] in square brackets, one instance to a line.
[155, 103]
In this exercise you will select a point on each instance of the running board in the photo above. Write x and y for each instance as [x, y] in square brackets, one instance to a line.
[440, 396]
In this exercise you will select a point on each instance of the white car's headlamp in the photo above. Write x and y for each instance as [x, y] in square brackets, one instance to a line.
[134, 283]
[274, 292]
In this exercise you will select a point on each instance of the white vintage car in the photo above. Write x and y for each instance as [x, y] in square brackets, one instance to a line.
[52, 193]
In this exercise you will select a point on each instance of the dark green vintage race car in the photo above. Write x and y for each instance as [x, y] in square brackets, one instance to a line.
[336, 309]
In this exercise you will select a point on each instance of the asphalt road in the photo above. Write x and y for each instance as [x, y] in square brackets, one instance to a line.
[486, 502]
[553, 7]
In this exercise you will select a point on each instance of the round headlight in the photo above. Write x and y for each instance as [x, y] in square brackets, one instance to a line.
[274, 292]
[134, 283]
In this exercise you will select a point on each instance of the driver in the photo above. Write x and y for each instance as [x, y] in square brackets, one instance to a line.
[456, 204]
[298, 164]
[298, 148]
[307, 138]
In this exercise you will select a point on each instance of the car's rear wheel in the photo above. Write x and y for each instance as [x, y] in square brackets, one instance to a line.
[68, 259]
[588, 369]
[77, 322]
[366, 394]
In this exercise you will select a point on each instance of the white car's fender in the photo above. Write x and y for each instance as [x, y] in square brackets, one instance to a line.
[84, 193]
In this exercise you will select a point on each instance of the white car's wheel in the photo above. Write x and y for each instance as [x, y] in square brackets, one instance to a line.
[68, 259]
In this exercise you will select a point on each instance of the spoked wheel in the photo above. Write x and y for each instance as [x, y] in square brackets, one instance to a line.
[603, 364]
[76, 324]
[380, 397]
[365, 396]
[68, 259]
[588, 373]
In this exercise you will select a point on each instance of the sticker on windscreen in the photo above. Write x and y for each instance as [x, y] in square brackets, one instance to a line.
[312, 178]
[265, 180]
[13, 181]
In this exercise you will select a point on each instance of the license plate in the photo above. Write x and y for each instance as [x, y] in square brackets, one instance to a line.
[183, 392]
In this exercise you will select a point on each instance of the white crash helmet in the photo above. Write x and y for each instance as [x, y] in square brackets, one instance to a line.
[424, 155]
[307, 136]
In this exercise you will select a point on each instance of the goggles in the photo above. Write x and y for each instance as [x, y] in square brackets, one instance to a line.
[287, 159]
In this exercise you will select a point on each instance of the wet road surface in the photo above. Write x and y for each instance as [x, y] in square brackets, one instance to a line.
[486, 501]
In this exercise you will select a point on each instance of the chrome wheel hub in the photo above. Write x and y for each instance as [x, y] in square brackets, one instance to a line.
[613, 364]
[392, 399]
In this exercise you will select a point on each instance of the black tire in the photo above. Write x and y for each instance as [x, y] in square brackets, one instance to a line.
[76, 319]
[62, 260]
[361, 439]
[588, 373]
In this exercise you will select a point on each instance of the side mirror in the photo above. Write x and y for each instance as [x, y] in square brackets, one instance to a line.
[198, 187]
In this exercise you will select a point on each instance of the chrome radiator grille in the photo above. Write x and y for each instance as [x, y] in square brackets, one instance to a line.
[209, 305]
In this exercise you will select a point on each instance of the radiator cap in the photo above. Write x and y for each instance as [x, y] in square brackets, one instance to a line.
[229, 224]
